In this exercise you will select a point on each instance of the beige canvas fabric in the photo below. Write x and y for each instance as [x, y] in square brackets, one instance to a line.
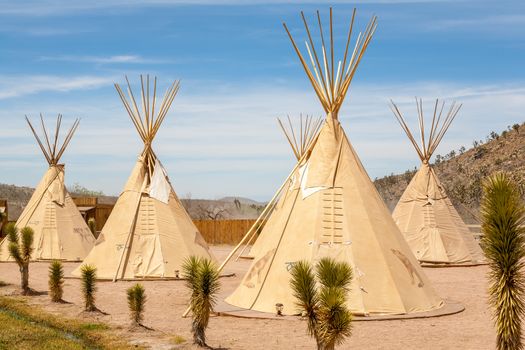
[149, 234]
[431, 225]
[428, 220]
[145, 237]
[345, 219]
[60, 232]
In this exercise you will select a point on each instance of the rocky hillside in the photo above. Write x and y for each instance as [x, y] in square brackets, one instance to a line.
[462, 171]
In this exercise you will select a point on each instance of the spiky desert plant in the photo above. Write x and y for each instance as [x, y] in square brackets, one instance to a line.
[136, 303]
[89, 287]
[56, 281]
[321, 297]
[20, 248]
[202, 279]
[305, 291]
[92, 224]
[503, 217]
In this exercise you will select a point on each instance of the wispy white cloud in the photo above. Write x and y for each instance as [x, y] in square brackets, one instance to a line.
[220, 140]
[115, 59]
[57, 7]
[16, 86]
[486, 23]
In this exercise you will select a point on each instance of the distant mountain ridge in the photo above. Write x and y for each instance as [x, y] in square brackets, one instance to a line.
[460, 171]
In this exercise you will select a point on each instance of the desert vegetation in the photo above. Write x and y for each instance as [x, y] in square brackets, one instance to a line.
[503, 217]
[56, 281]
[202, 279]
[321, 294]
[89, 277]
[20, 249]
[136, 303]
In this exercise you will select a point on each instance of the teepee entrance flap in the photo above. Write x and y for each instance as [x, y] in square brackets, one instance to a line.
[159, 187]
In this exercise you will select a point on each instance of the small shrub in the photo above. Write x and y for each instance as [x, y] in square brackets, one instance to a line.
[88, 277]
[178, 340]
[92, 224]
[202, 279]
[136, 302]
[20, 248]
[56, 281]
[321, 296]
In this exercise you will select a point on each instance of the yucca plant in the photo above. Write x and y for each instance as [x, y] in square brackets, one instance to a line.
[202, 279]
[321, 297]
[92, 224]
[89, 287]
[56, 281]
[136, 303]
[503, 217]
[20, 248]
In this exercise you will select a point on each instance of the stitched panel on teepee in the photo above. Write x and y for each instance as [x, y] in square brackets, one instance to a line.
[332, 216]
[148, 257]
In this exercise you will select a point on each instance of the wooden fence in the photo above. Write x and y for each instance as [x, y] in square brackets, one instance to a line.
[223, 231]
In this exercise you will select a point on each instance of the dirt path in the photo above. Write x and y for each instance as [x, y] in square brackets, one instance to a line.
[470, 329]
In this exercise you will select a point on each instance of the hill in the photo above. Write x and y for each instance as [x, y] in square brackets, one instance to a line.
[462, 171]
[204, 209]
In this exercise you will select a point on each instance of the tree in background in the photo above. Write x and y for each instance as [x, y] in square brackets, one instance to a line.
[503, 217]
[321, 296]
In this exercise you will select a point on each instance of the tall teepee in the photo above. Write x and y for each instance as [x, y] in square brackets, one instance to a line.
[329, 207]
[431, 225]
[60, 231]
[300, 138]
[149, 233]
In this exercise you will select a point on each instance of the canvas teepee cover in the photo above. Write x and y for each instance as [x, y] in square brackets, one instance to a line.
[149, 233]
[60, 232]
[329, 207]
[431, 225]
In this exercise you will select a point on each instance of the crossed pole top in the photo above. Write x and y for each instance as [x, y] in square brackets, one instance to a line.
[149, 117]
[50, 144]
[301, 135]
[438, 127]
[331, 84]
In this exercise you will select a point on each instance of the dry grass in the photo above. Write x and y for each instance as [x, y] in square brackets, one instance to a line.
[29, 327]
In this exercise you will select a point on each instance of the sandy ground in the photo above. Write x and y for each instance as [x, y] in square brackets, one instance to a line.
[470, 329]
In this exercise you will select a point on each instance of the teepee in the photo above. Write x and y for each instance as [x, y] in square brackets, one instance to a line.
[425, 215]
[329, 207]
[149, 233]
[299, 137]
[60, 232]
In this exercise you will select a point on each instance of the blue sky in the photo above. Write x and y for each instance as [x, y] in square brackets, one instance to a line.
[239, 72]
